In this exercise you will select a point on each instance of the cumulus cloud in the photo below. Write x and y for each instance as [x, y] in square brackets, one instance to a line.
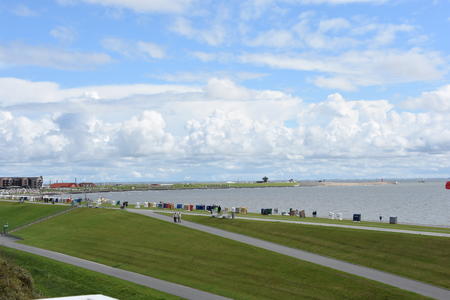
[21, 137]
[438, 100]
[144, 135]
[18, 54]
[225, 128]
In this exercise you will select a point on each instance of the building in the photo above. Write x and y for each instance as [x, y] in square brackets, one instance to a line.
[21, 182]
[86, 184]
[62, 185]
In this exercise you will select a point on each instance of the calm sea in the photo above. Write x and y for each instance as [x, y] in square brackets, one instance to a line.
[411, 202]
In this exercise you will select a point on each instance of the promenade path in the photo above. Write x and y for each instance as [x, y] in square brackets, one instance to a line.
[418, 232]
[151, 282]
[372, 274]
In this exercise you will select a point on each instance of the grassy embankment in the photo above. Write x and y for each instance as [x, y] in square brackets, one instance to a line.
[313, 220]
[55, 279]
[350, 222]
[423, 258]
[18, 214]
[178, 254]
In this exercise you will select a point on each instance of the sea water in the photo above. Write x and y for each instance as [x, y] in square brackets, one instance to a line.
[411, 202]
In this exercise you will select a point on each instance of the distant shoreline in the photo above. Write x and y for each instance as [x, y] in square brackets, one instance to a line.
[365, 183]
[178, 187]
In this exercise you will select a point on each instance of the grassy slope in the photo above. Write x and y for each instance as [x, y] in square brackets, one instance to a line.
[350, 222]
[320, 220]
[17, 214]
[196, 259]
[420, 257]
[55, 279]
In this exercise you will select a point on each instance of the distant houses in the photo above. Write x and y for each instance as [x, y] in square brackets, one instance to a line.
[21, 182]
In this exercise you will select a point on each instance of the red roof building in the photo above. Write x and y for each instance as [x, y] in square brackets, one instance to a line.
[63, 185]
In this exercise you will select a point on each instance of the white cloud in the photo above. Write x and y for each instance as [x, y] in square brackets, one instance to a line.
[254, 9]
[274, 38]
[360, 68]
[335, 24]
[235, 134]
[134, 50]
[388, 33]
[15, 91]
[209, 57]
[144, 135]
[150, 49]
[213, 36]
[141, 6]
[222, 126]
[63, 34]
[311, 31]
[24, 11]
[21, 137]
[20, 54]
[337, 1]
[205, 76]
[438, 100]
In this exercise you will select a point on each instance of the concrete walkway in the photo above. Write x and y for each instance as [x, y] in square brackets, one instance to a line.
[386, 278]
[154, 283]
[417, 232]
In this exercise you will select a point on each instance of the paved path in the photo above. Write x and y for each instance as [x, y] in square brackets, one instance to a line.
[417, 232]
[154, 283]
[387, 278]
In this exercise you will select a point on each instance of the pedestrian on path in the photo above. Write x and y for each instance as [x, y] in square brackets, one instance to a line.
[175, 217]
[179, 217]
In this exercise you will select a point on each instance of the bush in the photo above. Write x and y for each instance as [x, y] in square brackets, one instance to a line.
[15, 282]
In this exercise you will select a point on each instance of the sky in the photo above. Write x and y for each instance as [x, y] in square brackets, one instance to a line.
[211, 90]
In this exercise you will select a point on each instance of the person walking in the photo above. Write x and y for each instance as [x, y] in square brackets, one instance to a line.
[175, 217]
[179, 217]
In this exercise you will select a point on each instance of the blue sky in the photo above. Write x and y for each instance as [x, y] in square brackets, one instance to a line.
[134, 90]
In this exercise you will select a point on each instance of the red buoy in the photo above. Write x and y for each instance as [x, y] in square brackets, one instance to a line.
[447, 185]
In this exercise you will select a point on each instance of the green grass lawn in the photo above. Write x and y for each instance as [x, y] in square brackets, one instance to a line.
[323, 220]
[197, 259]
[423, 258]
[56, 279]
[18, 214]
[350, 222]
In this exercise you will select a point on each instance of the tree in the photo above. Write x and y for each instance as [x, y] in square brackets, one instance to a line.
[265, 179]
